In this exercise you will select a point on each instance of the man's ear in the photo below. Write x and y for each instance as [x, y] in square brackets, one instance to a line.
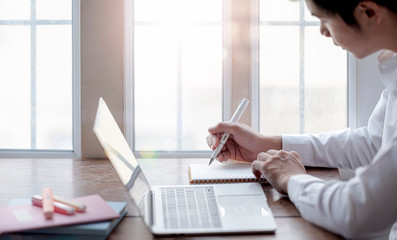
[369, 11]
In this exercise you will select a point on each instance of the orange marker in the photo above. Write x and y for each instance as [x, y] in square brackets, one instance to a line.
[48, 203]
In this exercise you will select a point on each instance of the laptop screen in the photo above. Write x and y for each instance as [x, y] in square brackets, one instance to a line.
[119, 153]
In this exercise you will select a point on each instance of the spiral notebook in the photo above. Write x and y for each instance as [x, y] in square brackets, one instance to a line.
[233, 172]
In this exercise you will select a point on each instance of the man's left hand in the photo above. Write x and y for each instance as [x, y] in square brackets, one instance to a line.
[277, 167]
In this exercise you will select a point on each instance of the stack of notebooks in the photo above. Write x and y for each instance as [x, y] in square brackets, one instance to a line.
[97, 222]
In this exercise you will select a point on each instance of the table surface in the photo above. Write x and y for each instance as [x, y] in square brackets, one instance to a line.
[21, 178]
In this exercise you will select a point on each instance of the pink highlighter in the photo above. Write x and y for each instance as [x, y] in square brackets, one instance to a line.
[48, 203]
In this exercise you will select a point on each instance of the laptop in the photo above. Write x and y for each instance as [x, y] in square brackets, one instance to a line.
[183, 209]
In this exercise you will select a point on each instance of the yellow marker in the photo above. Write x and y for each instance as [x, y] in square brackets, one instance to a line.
[80, 207]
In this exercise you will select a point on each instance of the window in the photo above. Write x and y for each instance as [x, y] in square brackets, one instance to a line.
[303, 77]
[182, 41]
[39, 73]
[191, 61]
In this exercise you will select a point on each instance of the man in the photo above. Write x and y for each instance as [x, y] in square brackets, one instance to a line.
[366, 205]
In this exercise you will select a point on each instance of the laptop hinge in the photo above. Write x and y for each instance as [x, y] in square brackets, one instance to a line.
[148, 209]
[151, 208]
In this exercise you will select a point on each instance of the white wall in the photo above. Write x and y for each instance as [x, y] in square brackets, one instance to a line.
[102, 69]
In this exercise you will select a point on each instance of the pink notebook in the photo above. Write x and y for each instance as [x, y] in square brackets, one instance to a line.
[27, 217]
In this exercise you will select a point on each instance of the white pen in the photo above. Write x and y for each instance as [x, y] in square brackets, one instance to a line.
[236, 116]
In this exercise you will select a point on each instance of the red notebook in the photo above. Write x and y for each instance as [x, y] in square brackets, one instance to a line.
[27, 217]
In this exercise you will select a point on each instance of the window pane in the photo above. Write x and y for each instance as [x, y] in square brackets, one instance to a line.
[325, 83]
[276, 10]
[36, 76]
[171, 11]
[54, 87]
[155, 91]
[279, 80]
[201, 75]
[155, 10]
[15, 87]
[14, 9]
[303, 77]
[177, 73]
[201, 10]
[54, 9]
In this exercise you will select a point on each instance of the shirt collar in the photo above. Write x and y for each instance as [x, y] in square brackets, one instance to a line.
[388, 71]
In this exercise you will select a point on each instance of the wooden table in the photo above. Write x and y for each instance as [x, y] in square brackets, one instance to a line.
[21, 178]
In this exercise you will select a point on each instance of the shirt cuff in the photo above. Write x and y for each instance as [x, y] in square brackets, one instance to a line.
[300, 144]
[297, 184]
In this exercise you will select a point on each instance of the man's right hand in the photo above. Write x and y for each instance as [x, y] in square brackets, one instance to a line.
[244, 142]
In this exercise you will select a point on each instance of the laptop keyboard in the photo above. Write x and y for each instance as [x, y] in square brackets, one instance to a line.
[190, 207]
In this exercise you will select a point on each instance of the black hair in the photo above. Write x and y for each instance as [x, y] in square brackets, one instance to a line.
[345, 8]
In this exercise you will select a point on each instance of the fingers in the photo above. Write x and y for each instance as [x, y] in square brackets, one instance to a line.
[216, 129]
[264, 160]
[256, 168]
[281, 154]
[214, 137]
[216, 133]
[213, 141]
[295, 154]
[258, 165]
[272, 152]
[209, 141]
[223, 156]
[277, 167]
[223, 127]
[256, 172]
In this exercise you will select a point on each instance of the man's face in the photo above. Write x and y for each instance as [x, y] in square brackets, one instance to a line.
[343, 35]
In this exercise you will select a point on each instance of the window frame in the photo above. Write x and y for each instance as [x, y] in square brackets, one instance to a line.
[76, 151]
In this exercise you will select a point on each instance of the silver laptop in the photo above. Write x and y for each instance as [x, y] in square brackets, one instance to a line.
[183, 209]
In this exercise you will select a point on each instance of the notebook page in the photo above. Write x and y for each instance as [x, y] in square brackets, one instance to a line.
[221, 172]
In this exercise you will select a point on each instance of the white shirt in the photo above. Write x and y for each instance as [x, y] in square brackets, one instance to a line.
[366, 205]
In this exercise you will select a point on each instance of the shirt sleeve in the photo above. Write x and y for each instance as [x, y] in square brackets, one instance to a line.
[348, 148]
[358, 208]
